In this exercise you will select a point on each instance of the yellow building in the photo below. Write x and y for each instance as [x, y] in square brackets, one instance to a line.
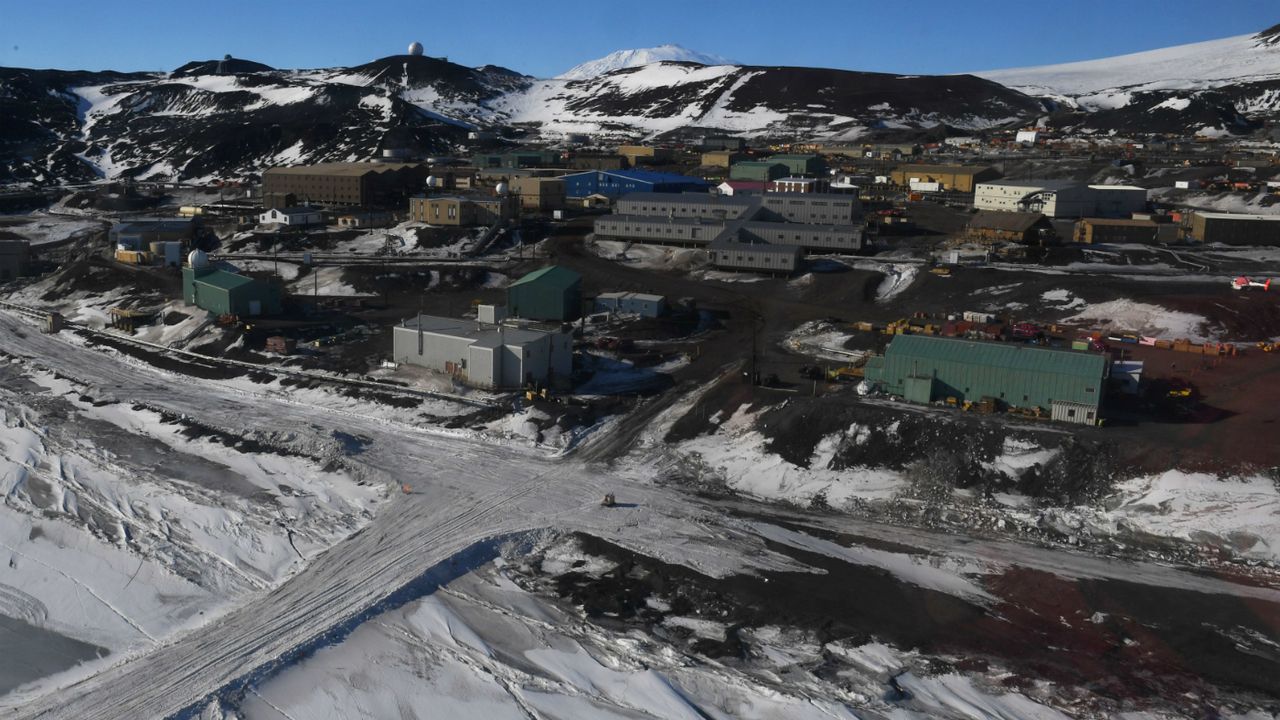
[459, 211]
[539, 193]
[645, 154]
[721, 158]
[960, 178]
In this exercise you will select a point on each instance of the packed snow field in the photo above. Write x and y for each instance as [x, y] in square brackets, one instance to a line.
[202, 546]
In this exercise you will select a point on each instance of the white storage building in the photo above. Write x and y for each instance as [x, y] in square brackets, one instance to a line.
[1060, 198]
[484, 355]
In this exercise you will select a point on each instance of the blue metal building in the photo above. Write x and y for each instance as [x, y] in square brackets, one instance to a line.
[615, 183]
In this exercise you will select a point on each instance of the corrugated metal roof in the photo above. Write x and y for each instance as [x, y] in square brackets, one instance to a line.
[555, 274]
[1006, 221]
[223, 280]
[1032, 185]
[1084, 365]
[648, 176]
[940, 169]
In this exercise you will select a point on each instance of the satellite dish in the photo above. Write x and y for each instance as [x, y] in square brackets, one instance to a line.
[197, 259]
[415, 48]
[431, 181]
[501, 189]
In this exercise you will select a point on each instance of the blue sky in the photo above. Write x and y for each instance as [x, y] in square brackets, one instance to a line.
[545, 38]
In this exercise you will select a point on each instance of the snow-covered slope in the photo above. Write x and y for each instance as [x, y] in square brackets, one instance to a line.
[1202, 65]
[196, 124]
[1211, 87]
[644, 56]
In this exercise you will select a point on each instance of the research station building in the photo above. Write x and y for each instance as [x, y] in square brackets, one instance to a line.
[1067, 385]
[767, 233]
[616, 183]
[482, 354]
[1235, 228]
[960, 178]
[226, 293]
[342, 183]
[1060, 198]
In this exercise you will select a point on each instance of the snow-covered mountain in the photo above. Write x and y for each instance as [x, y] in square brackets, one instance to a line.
[1211, 87]
[1196, 66]
[643, 56]
[195, 123]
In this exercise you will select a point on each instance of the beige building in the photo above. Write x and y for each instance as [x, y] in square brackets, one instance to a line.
[462, 211]
[721, 158]
[645, 155]
[539, 193]
[597, 162]
[1105, 230]
[960, 178]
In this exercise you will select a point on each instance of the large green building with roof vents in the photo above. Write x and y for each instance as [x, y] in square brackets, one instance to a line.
[1066, 384]
[552, 293]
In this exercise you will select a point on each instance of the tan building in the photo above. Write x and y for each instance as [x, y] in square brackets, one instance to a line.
[358, 184]
[998, 227]
[1105, 230]
[1235, 229]
[539, 193]
[960, 178]
[645, 155]
[462, 211]
[721, 158]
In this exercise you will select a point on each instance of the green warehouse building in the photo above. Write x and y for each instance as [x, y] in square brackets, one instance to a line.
[799, 165]
[922, 369]
[552, 293]
[757, 171]
[226, 293]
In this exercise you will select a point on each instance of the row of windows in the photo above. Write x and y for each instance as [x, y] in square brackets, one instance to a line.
[764, 260]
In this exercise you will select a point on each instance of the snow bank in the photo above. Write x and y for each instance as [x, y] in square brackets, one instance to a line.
[1242, 514]
[737, 454]
[1130, 316]
[821, 339]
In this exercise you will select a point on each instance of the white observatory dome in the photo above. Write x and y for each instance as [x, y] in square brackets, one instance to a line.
[415, 48]
[197, 259]
[501, 189]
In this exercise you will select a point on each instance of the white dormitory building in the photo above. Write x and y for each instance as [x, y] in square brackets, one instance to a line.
[490, 352]
[292, 216]
[1060, 198]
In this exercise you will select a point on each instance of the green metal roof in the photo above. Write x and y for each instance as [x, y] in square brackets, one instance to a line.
[1085, 365]
[555, 274]
[223, 280]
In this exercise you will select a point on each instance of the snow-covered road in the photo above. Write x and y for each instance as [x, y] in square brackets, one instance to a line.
[468, 496]
[465, 492]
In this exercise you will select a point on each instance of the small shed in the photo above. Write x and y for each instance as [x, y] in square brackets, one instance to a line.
[642, 304]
